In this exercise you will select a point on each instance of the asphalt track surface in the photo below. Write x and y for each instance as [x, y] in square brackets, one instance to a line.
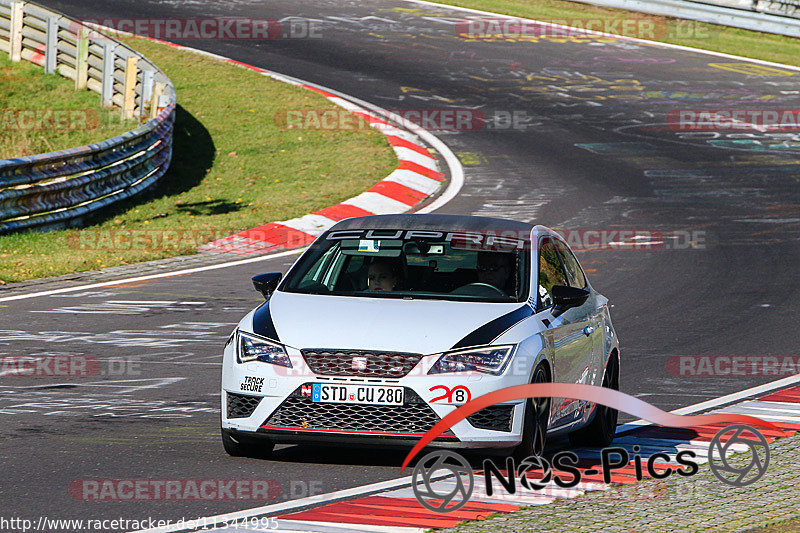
[152, 412]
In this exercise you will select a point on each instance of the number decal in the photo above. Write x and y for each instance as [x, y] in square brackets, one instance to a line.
[458, 394]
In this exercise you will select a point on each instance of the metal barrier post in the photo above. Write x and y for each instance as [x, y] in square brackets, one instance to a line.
[82, 58]
[129, 87]
[147, 92]
[51, 46]
[109, 56]
[15, 33]
[158, 91]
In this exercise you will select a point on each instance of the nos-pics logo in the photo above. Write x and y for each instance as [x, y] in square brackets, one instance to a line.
[443, 480]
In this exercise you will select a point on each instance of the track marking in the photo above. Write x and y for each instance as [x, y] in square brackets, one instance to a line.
[152, 276]
[716, 402]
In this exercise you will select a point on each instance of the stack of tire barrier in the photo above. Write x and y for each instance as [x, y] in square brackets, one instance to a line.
[57, 189]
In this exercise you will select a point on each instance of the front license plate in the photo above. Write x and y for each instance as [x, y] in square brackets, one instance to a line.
[364, 394]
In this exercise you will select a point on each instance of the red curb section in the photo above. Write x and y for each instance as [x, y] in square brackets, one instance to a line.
[342, 211]
[388, 511]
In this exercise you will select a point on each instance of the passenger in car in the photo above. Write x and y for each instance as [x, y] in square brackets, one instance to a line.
[495, 269]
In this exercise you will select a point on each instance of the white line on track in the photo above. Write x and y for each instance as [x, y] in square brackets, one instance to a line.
[151, 276]
[716, 402]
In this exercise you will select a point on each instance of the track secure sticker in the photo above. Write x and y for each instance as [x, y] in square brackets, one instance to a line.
[252, 384]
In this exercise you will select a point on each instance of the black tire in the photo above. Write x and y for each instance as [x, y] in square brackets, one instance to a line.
[601, 430]
[537, 417]
[237, 446]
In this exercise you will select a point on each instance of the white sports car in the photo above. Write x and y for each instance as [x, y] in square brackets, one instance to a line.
[388, 323]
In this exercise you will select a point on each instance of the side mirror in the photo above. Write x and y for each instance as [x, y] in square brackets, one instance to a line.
[566, 297]
[267, 283]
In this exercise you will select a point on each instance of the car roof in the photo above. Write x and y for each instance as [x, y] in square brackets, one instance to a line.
[459, 223]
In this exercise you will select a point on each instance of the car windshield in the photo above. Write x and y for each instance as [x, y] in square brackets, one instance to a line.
[403, 264]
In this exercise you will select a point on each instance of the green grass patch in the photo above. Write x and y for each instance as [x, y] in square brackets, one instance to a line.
[234, 167]
[43, 112]
[736, 41]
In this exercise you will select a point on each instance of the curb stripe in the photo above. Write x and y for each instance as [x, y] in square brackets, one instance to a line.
[399, 192]
[371, 119]
[419, 169]
[399, 142]
[326, 94]
[343, 211]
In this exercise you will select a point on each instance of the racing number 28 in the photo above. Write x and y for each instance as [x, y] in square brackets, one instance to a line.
[458, 394]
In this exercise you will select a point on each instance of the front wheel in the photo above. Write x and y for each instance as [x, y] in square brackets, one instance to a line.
[536, 421]
[237, 446]
[601, 430]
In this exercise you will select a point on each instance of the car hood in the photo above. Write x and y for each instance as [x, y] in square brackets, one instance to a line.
[354, 323]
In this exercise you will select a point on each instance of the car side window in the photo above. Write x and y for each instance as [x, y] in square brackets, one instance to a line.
[574, 273]
[551, 272]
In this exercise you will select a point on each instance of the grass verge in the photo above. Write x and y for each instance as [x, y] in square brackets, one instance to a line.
[234, 167]
[43, 112]
[736, 41]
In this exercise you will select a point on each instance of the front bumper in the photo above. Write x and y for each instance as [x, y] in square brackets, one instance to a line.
[275, 407]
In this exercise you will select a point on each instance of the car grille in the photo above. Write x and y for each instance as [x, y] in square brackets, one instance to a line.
[241, 406]
[299, 412]
[495, 417]
[360, 363]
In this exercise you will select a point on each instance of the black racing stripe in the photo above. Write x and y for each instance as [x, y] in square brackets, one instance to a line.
[262, 323]
[489, 331]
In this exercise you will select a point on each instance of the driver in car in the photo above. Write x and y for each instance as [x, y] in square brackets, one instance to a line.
[495, 269]
[383, 275]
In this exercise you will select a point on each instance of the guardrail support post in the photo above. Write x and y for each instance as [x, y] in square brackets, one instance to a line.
[148, 78]
[109, 57]
[158, 91]
[82, 58]
[51, 47]
[15, 33]
[129, 87]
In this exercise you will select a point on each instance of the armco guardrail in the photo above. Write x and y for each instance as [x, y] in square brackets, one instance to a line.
[781, 17]
[57, 189]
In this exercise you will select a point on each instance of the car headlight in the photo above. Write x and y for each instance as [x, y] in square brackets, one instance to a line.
[252, 348]
[487, 359]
